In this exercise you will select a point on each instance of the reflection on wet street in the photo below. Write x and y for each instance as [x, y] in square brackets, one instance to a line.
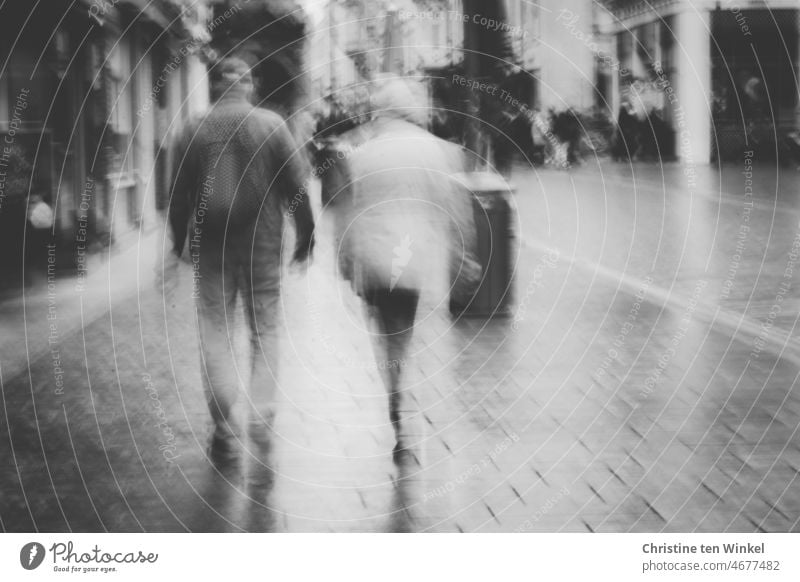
[644, 381]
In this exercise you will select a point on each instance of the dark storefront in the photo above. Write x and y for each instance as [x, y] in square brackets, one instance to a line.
[73, 91]
[754, 84]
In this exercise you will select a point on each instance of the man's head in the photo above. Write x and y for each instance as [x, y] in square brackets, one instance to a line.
[231, 78]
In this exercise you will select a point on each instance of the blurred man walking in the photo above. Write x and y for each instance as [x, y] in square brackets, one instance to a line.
[236, 172]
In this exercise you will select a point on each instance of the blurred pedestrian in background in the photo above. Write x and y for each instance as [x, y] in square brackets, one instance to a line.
[566, 126]
[627, 141]
[754, 97]
[237, 171]
[406, 226]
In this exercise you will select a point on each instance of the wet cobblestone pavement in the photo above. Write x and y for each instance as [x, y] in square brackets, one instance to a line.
[627, 391]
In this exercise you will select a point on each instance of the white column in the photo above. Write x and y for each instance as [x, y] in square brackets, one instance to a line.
[692, 111]
[145, 134]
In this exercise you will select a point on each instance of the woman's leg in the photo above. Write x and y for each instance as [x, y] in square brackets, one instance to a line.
[394, 311]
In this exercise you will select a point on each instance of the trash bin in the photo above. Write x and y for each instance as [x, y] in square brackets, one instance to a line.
[495, 235]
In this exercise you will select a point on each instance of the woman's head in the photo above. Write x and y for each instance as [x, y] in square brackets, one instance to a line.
[399, 98]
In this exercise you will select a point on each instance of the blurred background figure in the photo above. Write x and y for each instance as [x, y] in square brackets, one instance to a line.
[566, 126]
[405, 225]
[754, 102]
[627, 141]
[237, 171]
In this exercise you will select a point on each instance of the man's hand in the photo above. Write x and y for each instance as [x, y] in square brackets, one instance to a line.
[304, 250]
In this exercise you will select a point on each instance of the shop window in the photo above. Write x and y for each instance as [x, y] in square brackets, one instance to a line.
[625, 49]
[23, 93]
[647, 45]
[25, 75]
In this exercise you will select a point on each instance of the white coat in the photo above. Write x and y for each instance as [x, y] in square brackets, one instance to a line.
[408, 222]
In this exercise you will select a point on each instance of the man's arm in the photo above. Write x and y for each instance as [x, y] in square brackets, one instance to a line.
[292, 180]
[181, 193]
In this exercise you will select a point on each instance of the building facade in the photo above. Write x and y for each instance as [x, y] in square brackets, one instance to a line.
[722, 73]
[90, 94]
[562, 55]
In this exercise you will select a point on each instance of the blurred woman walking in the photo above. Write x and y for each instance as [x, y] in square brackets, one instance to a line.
[405, 226]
